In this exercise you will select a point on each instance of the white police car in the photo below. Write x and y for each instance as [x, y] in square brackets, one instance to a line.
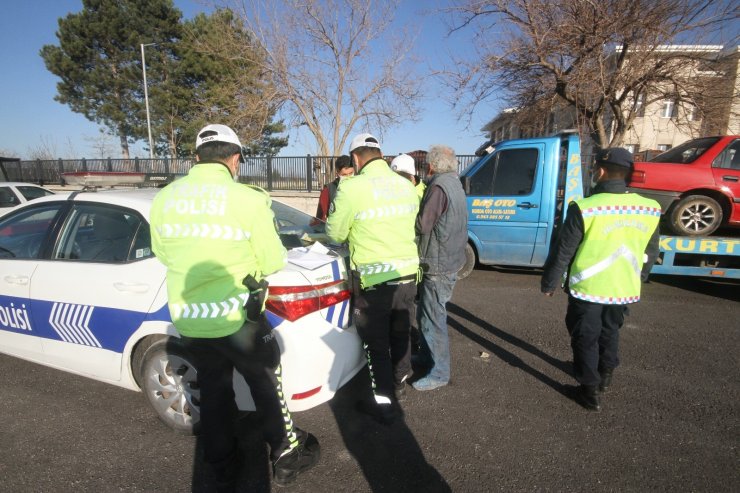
[81, 291]
[14, 193]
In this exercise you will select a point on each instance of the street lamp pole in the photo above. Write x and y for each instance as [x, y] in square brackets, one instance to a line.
[146, 100]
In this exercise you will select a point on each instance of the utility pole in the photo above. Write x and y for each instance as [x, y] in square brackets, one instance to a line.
[146, 100]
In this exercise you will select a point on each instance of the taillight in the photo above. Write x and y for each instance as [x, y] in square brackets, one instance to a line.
[638, 176]
[294, 302]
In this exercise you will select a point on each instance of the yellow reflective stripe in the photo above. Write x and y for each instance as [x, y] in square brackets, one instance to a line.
[209, 310]
[621, 252]
[387, 211]
[380, 267]
[210, 231]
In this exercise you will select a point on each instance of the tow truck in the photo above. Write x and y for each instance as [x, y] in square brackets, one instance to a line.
[517, 196]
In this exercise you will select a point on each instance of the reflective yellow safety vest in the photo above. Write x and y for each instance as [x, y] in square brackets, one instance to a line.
[420, 189]
[617, 228]
[376, 210]
[210, 233]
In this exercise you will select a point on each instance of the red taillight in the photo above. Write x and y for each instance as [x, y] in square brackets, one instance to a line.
[308, 393]
[294, 302]
[638, 176]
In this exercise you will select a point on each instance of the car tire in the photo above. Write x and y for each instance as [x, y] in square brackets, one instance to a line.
[695, 215]
[469, 264]
[169, 381]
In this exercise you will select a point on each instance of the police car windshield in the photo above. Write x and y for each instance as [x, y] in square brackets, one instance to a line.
[292, 224]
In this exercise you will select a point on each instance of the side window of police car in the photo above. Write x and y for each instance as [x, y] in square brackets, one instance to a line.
[22, 234]
[103, 234]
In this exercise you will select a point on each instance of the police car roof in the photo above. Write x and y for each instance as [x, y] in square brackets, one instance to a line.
[139, 199]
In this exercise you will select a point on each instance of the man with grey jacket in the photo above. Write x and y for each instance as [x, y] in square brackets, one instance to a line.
[442, 231]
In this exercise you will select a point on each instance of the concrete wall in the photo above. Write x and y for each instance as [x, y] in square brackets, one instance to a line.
[304, 201]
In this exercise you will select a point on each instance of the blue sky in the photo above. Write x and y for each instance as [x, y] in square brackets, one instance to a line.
[31, 119]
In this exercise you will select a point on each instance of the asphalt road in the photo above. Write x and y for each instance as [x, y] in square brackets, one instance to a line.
[505, 423]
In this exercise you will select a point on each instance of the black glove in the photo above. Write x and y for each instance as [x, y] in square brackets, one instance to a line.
[257, 293]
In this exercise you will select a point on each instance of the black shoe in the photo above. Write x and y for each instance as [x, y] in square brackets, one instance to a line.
[606, 379]
[401, 392]
[304, 456]
[588, 397]
[384, 414]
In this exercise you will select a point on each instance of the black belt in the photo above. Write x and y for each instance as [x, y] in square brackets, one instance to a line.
[396, 281]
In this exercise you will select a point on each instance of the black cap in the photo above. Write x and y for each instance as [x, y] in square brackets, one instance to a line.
[615, 155]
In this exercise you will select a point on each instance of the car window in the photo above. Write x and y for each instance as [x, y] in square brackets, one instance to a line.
[686, 153]
[729, 158]
[22, 234]
[31, 193]
[101, 233]
[8, 197]
[292, 224]
[509, 172]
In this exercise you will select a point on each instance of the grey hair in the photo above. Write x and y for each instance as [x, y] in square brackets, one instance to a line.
[442, 159]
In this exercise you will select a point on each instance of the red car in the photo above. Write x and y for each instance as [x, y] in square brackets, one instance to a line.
[696, 183]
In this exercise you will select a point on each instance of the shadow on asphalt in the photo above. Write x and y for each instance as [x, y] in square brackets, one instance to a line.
[728, 289]
[389, 456]
[509, 269]
[505, 355]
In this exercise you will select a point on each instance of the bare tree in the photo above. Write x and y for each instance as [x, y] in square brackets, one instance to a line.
[45, 149]
[604, 59]
[335, 65]
[102, 143]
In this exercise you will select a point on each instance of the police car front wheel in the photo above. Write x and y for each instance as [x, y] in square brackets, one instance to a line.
[169, 381]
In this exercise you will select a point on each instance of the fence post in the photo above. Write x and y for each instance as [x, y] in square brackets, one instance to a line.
[39, 173]
[309, 173]
[84, 164]
[110, 164]
[166, 165]
[136, 164]
[61, 171]
[269, 173]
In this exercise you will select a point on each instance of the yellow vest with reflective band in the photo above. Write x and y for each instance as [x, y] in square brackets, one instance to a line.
[376, 211]
[616, 230]
[420, 189]
[210, 233]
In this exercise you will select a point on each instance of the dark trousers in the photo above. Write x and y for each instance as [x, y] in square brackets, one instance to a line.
[254, 352]
[382, 315]
[594, 338]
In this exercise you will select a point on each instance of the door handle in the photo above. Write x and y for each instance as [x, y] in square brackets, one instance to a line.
[527, 205]
[131, 287]
[22, 280]
[730, 178]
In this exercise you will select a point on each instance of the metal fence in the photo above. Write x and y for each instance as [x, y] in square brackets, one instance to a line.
[294, 173]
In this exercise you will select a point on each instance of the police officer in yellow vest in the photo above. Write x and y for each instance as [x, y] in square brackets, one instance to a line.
[404, 165]
[375, 212]
[218, 240]
[608, 244]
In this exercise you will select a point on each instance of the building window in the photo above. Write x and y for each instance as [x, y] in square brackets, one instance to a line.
[669, 109]
[640, 105]
[663, 147]
[633, 148]
[692, 114]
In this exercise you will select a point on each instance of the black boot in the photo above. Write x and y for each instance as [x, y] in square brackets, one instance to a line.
[588, 397]
[606, 379]
[304, 456]
[384, 414]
